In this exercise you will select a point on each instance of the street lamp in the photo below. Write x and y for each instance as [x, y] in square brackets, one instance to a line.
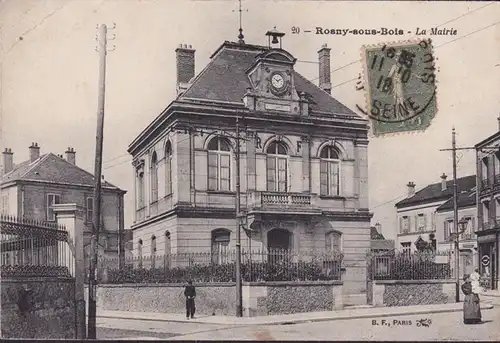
[454, 236]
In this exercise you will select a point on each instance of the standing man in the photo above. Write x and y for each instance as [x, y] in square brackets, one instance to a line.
[190, 294]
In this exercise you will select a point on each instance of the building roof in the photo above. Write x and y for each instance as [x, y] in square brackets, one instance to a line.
[434, 192]
[374, 234]
[50, 168]
[382, 244]
[465, 199]
[225, 79]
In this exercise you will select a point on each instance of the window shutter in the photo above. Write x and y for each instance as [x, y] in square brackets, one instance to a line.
[401, 225]
[271, 174]
[282, 175]
[334, 178]
[323, 178]
[473, 225]
[212, 171]
[225, 172]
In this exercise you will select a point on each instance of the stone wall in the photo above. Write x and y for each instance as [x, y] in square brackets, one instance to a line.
[413, 292]
[218, 299]
[268, 298]
[39, 308]
[262, 299]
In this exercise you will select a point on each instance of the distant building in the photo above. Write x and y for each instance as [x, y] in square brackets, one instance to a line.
[304, 169]
[467, 241]
[416, 215]
[378, 241]
[488, 206]
[30, 188]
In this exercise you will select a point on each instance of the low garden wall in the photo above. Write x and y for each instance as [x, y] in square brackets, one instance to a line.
[268, 298]
[259, 298]
[413, 292]
[42, 308]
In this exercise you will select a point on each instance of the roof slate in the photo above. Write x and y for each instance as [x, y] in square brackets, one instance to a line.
[54, 169]
[433, 192]
[225, 79]
[465, 199]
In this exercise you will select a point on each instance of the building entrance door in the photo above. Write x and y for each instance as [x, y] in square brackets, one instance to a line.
[278, 243]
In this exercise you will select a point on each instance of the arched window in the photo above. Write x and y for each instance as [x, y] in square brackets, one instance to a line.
[329, 171]
[220, 246]
[333, 242]
[154, 177]
[219, 165]
[168, 168]
[277, 167]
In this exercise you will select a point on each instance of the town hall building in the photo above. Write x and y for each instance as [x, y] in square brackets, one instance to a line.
[302, 158]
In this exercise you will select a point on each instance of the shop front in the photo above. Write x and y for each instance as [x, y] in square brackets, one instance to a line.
[488, 259]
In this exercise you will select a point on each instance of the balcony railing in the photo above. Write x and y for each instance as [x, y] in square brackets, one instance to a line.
[285, 199]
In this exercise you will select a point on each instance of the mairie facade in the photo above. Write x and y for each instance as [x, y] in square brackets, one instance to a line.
[302, 160]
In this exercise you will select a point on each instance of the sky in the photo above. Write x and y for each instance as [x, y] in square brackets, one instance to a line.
[49, 75]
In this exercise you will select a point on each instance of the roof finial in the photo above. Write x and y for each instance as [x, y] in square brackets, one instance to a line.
[240, 36]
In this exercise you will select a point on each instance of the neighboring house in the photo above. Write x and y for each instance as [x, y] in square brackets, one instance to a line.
[416, 215]
[30, 188]
[303, 161]
[488, 206]
[378, 242]
[467, 241]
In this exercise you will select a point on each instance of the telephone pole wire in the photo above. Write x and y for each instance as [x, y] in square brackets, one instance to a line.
[92, 308]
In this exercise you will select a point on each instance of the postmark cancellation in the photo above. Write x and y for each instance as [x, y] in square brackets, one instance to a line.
[399, 85]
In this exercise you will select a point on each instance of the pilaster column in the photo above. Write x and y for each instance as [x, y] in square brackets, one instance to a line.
[306, 163]
[251, 161]
[70, 216]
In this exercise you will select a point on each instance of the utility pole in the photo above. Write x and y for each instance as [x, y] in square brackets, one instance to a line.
[239, 305]
[456, 235]
[92, 309]
[455, 215]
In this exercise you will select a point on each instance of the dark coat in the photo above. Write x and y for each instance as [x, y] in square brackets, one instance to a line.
[472, 309]
[190, 291]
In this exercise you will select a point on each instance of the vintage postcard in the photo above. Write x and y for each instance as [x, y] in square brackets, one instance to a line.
[250, 170]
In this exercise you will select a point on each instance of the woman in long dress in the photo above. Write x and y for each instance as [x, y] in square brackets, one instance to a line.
[472, 310]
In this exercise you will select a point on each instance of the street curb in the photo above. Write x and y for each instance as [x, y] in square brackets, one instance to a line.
[300, 321]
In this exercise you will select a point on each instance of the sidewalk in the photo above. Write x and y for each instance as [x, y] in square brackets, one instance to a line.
[357, 313]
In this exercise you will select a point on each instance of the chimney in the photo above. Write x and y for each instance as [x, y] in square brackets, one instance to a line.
[443, 182]
[185, 66]
[411, 189]
[71, 155]
[324, 69]
[34, 152]
[378, 227]
[8, 161]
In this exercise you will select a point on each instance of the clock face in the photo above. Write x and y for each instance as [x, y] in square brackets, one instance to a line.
[277, 81]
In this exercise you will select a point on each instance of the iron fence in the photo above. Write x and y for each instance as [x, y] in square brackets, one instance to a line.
[411, 266]
[256, 265]
[32, 248]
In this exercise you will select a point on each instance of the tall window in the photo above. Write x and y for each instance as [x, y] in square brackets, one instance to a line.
[448, 229]
[168, 168]
[52, 199]
[220, 246]
[421, 222]
[333, 242]
[154, 177]
[329, 171]
[219, 165]
[406, 247]
[5, 204]
[277, 174]
[404, 224]
[90, 209]
[484, 170]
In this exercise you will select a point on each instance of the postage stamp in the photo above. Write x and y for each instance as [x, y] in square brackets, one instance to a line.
[400, 86]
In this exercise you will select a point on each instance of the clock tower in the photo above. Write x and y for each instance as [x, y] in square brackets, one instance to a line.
[272, 80]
